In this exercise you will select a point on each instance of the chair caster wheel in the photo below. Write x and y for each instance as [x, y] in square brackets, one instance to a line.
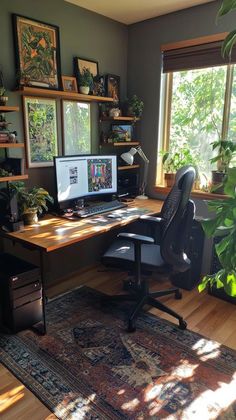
[182, 325]
[178, 295]
[131, 327]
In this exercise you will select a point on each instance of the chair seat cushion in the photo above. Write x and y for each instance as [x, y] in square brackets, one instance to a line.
[122, 251]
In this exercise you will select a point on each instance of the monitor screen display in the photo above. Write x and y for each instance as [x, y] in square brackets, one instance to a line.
[83, 176]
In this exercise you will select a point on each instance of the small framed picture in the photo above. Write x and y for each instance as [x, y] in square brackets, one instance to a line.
[124, 131]
[81, 63]
[40, 122]
[76, 125]
[69, 84]
[113, 87]
[99, 86]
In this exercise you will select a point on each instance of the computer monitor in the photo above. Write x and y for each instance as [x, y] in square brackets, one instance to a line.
[84, 176]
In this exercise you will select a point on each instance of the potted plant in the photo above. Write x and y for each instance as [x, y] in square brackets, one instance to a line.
[85, 81]
[179, 156]
[32, 202]
[135, 106]
[225, 153]
[3, 98]
[223, 222]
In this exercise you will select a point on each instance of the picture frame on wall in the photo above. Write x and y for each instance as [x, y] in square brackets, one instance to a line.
[69, 84]
[81, 63]
[76, 127]
[37, 48]
[40, 124]
[123, 131]
[113, 87]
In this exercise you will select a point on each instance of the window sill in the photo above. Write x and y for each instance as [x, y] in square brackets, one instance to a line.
[160, 189]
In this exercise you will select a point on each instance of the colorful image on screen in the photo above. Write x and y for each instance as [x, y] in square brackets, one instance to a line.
[99, 174]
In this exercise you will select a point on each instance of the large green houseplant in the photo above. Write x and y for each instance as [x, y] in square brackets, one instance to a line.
[228, 6]
[31, 202]
[223, 224]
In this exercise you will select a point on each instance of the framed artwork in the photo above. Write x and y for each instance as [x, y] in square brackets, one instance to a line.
[69, 84]
[124, 131]
[99, 86]
[76, 124]
[81, 63]
[113, 87]
[37, 53]
[40, 120]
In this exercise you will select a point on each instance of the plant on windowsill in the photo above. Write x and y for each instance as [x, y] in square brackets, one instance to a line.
[179, 156]
[31, 203]
[85, 81]
[225, 153]
[223, 224]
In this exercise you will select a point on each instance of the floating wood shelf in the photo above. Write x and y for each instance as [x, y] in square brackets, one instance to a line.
[11, 145]
[120, 119]
[13, 178]
[122, 144]
[31, 91]
[124, 168]
[4, 108]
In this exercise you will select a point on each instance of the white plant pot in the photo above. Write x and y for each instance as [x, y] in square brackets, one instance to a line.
[84, 90]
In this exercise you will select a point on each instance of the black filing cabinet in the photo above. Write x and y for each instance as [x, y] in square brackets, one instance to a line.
[20, 293]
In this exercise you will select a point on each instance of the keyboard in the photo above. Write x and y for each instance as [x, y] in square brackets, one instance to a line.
[99, 208]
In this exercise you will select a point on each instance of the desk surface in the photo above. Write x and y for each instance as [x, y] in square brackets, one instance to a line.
[52, 233]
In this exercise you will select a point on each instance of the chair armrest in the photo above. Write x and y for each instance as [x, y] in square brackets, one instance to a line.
[132, 237]
[151, 219]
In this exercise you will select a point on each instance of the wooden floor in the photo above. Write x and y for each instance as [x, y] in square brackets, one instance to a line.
[205, 314]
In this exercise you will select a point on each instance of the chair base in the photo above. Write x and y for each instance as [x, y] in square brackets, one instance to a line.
[144, 297]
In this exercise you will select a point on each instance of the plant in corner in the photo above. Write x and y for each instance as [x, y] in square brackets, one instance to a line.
[32, 202]
[225, 153]
[85, 81]
[223, 224]
[135, 106]
[228, 6]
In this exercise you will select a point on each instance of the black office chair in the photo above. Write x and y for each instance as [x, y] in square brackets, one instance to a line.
[165, 253]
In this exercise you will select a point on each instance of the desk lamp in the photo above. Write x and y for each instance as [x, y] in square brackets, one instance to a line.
[128, 157]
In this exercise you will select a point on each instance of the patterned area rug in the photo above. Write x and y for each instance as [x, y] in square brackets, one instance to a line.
[88, 367]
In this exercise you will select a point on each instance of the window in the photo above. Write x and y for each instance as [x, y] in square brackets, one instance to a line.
[200, 106]
[76, 128]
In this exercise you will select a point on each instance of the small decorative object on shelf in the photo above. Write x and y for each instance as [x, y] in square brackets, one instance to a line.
[32, 202]
[85, 81]
[99, 86]
[113, 87]
[114, 112]
[3, 98]
[69, 84]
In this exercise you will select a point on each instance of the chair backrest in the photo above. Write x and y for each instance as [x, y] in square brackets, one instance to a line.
[177, 214]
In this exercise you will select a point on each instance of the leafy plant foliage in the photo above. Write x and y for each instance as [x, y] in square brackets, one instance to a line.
[223, 223]
[228, 6]
[35, 198]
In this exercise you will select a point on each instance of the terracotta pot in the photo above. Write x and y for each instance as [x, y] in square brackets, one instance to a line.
[31, 217]
[84, 90]
[170, 180]
[217, 178]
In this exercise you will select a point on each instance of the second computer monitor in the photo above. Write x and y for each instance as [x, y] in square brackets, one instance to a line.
[83, 176]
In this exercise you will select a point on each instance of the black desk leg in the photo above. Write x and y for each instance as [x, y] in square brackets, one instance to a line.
[41, 327]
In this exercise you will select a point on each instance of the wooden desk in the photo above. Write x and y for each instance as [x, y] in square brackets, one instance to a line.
[53, 233]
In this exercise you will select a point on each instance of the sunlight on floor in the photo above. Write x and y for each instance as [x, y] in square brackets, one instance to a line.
[206, 349]
[11, 397]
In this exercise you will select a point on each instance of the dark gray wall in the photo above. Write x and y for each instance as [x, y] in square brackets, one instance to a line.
[82, 33]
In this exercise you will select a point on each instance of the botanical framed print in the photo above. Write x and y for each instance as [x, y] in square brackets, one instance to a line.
[40, 118]
[113, 87]
[76, 128]
[81, 63]
[37, 53]
[69, 84]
